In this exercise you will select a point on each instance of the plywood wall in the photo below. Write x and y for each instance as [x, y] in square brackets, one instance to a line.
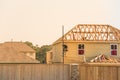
[92, 49]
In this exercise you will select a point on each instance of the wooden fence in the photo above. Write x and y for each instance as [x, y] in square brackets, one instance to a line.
[34, 72]
[99, 71]
[60, 72]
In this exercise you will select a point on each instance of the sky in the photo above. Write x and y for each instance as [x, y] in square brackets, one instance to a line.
[40, 21]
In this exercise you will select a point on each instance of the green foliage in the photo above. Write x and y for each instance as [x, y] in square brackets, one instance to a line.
[40, 51]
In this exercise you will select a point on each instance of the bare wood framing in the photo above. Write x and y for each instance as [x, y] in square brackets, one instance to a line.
[92, 32]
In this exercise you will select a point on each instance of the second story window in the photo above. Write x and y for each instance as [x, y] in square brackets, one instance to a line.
[81, 49]
[113, 49]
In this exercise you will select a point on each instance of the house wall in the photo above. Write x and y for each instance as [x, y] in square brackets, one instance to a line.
[48, 60]
[57, 53]
[92, 49]
[30, 54]
[49, 57]
[95, 49]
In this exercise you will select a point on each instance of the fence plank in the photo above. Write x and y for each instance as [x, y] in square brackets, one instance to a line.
[83, 72]
[34, 72]
[99, 72]
[66, 72]
[58, 72]
[92, 73]
[118, 75]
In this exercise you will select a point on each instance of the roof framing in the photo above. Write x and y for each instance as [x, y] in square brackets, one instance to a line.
[92, 32]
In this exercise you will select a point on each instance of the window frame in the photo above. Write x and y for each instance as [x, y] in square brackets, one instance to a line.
[82, 48]
[113, 49]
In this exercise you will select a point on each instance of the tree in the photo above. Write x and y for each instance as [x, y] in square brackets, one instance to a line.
[40, 51]
[41, 54]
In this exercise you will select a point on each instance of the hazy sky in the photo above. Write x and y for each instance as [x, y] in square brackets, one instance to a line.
[40, 21]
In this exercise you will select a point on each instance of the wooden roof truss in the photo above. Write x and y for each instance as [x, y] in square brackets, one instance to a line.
[105, 59]
[92, 32]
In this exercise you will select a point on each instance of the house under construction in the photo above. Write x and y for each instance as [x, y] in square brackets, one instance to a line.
[87, 43]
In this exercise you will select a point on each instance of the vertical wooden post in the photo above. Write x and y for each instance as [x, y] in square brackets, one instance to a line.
[63, 42]
[63, 49]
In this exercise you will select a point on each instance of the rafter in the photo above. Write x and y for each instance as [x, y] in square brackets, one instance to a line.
[88, 32]
[92, 32]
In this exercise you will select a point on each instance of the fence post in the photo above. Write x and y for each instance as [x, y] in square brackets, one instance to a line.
[75, 72]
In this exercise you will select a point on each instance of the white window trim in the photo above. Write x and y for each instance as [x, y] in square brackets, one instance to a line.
[111, 49]
[80, 49]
